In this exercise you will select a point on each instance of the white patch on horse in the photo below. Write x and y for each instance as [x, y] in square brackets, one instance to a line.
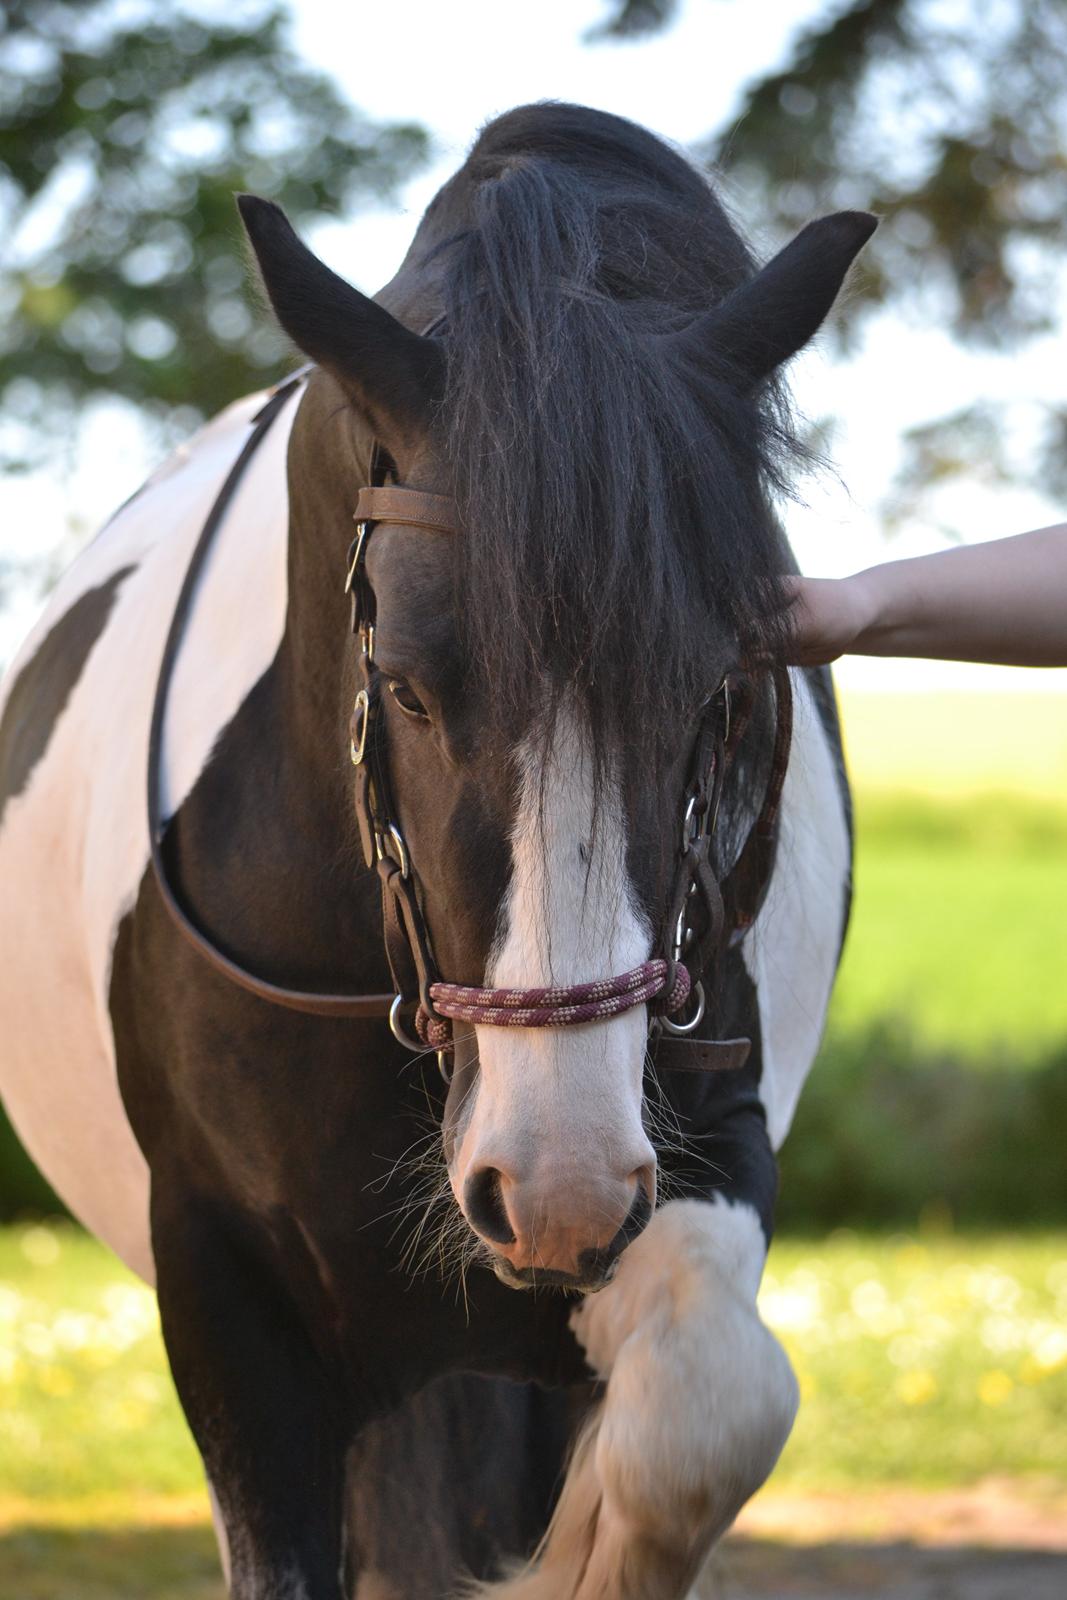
[74, 843]
[791, 951]
[564, 1104]
[700, 1400]
[570, 914]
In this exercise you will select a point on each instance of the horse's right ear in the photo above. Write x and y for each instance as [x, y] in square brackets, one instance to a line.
[394, 376]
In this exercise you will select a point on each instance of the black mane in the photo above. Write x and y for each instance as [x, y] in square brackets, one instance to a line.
[619, 545]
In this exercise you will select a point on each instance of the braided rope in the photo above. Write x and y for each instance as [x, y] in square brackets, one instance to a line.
[561, 1007]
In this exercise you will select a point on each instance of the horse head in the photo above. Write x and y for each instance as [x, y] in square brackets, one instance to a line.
[544, 671]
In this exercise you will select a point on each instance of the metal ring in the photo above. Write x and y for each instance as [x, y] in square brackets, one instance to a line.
[444, 1064]
[402, 859]
[695, 1020]
[688, 836]
[357, 751]
[354, 553]
[397, 1030]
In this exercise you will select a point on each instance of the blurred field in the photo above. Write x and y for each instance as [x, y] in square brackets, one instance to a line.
[961, 872]
[958, 928]
[955, 744]
[938, 1360]
[923, 1362]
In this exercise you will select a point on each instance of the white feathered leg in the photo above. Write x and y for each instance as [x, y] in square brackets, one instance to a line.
[699, 1402]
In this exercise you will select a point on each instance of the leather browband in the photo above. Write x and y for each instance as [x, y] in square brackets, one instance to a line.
[411, 507]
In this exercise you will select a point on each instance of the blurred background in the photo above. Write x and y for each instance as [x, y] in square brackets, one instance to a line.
[920, 1277]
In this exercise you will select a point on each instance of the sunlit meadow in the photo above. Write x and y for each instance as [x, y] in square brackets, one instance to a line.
[938, 1360]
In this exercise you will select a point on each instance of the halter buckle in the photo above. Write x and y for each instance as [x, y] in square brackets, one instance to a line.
[392, 835]
[357, 741]
[355, 553]
[690, 824]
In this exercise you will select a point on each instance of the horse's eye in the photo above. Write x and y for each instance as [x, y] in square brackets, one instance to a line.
[407, 699]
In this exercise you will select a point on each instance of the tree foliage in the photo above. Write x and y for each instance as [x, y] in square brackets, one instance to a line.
[950, 121]
[125, 129]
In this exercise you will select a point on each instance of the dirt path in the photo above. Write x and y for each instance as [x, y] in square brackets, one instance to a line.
[998, 1541]
[992, 1542]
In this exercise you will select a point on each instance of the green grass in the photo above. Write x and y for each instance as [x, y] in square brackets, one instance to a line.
[934, 1361]
[87, 1408]
[958, 928]
[940, 1360]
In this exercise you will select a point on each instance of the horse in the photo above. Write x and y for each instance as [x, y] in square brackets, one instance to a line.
[427, 1035]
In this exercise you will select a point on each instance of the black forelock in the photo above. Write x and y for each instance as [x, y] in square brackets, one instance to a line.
[618, 545]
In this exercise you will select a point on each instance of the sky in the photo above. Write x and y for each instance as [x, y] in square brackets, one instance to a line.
[453, 66]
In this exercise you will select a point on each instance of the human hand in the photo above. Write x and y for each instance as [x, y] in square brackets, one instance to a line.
[826, 617]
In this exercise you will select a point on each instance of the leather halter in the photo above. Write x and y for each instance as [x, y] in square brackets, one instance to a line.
[699, 932]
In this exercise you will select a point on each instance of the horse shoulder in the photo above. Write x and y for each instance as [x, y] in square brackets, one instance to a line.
[74, 716]
[794, 946]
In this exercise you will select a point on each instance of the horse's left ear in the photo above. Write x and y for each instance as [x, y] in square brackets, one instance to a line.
[393, 375]
[773, 315]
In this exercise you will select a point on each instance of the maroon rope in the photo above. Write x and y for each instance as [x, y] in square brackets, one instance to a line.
[562, 1007]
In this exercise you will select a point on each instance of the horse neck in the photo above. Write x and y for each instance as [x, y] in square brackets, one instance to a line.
[329, 460]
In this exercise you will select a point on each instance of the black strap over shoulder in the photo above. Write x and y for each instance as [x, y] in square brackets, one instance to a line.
[321, 1005]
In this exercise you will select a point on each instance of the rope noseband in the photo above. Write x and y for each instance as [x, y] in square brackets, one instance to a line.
[554, 1007]
[704, 916]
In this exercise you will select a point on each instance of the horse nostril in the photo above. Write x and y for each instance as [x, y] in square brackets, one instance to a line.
[639, 1216]
[595, 1264]
[483, 1201]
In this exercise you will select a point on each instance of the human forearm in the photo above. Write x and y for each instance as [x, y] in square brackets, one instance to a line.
[1005, 602]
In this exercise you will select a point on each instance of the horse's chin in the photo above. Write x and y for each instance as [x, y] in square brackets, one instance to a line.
[566, 1283]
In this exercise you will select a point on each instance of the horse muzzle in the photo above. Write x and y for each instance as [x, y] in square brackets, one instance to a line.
[565, 1238]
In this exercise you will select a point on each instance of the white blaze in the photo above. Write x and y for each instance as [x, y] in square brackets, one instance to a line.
[568, 1096]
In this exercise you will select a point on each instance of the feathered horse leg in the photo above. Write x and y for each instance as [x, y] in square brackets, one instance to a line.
[700, 1399]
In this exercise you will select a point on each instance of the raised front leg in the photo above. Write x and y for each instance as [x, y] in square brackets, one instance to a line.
[699, 1402]
[267, 1418]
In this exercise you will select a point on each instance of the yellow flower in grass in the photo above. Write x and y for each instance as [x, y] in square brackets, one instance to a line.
[917, 1387]
[55, 1381]
[995, 1387]
[1031, 1371]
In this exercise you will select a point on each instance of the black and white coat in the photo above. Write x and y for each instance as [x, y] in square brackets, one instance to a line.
[78, 921]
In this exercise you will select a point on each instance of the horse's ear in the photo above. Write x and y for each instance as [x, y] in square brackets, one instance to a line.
[393, 375]
[773, 315]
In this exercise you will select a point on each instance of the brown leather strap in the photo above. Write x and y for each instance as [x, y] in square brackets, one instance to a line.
[674, 1054]
[745, 886]
[410, 507]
